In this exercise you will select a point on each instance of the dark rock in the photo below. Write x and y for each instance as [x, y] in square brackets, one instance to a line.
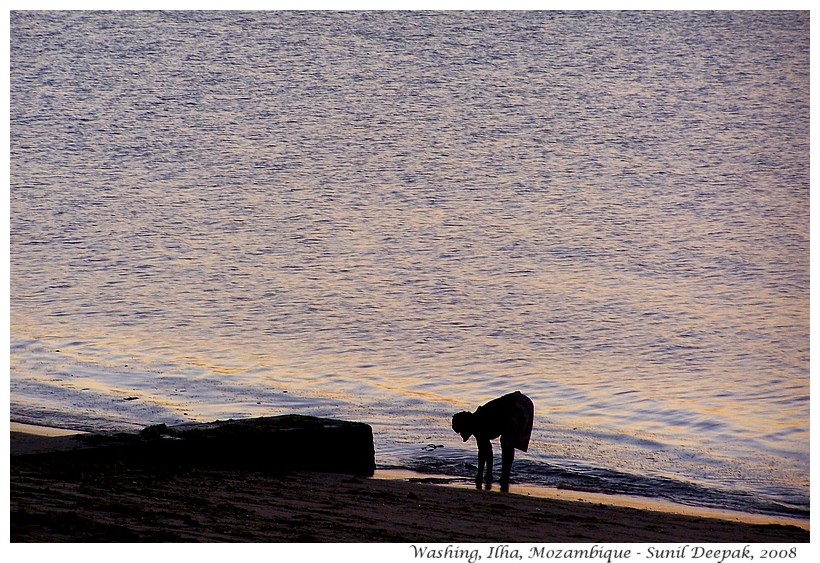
[277, 443]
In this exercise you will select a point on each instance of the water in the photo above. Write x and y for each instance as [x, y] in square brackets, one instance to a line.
[390, 217]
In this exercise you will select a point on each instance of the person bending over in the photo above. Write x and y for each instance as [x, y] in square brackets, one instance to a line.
[511, 418]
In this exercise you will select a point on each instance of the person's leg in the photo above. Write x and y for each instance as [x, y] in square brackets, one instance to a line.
[507, 456]
[485, 456]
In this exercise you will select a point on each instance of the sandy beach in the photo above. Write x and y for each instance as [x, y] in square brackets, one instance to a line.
[86, 502]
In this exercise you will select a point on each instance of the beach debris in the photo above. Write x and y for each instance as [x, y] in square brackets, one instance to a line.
[431, 447]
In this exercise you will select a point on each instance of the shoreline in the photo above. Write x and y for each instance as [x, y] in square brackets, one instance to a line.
[623, 501]
[66, 503]
[29, 438]
[39, 430]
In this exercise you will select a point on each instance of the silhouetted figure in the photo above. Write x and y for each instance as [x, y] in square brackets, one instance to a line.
[510, 417]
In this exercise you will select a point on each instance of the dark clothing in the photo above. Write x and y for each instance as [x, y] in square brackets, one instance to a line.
[509, 416]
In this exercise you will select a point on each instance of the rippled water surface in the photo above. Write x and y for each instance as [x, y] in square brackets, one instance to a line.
[390, 217]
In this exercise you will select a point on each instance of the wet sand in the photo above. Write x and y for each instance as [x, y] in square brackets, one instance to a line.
[82, 502]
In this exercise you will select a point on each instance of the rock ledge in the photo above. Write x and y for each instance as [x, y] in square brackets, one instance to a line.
[276, 443]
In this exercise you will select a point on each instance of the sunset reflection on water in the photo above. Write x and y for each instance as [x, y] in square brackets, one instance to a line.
[394, 216]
